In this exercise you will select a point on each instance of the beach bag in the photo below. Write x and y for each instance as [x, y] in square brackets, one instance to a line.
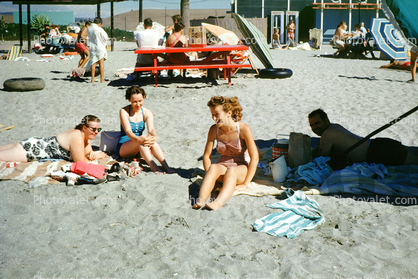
[299, 149]
[279, 169]
[109, 141]
[82, 167]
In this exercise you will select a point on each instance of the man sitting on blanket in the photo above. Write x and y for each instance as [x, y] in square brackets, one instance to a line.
[335, 139]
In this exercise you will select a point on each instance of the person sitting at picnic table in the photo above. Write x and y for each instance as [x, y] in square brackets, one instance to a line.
[335, 139]
[339, 36]
[146, 38]
[176, 18]
[132, 141]
[72, 145]
[177, 39]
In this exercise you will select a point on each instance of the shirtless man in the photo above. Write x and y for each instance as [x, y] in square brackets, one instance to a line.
[335, 139]
[339, 36]
[81, 47]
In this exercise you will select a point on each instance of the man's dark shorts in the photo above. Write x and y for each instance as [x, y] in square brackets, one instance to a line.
[386, 151]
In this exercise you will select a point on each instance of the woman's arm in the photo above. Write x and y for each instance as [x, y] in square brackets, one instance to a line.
[152, 133]
[252, 151]
[208, 148]
[124, 120]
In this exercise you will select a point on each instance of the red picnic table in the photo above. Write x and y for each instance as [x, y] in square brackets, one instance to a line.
[220, 57]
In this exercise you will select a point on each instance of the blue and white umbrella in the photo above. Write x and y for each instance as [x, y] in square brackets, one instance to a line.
[387, 39]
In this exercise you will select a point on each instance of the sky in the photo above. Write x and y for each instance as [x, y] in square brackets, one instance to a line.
[121, 7]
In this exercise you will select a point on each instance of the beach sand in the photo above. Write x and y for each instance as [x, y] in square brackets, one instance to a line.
[144, 227]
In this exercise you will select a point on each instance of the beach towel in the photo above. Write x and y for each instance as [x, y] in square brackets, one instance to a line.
[97, 44]
[361, 179]
[300, 213]
[37, 173]
[314, 172]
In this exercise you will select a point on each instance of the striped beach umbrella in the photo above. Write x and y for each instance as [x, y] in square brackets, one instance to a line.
[403, 15]
[387, 39]
[256, 40]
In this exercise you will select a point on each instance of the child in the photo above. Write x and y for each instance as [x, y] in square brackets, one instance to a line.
[233, 138]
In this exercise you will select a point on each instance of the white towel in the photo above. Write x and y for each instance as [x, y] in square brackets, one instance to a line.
[97, 44]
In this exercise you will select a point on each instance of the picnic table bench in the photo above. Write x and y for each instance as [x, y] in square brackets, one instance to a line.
[220, 57]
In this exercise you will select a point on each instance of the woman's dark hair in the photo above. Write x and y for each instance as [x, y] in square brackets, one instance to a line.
[86, 120]
[134, 89]
[178, 26]
[177, 18]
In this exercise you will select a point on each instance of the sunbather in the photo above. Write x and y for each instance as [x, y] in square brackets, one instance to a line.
[133, 119]
[233, 139]
[72, 145]
[395, 64]
[335, 139]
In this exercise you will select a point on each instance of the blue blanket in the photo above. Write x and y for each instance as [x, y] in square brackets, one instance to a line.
[365, 179]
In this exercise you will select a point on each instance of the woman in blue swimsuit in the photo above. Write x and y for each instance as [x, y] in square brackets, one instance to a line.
[133, 119]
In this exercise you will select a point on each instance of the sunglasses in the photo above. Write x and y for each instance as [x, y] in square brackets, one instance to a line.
[94, 129]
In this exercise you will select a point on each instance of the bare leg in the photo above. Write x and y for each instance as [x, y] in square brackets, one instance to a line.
[93, 71]
[86, 57]
[233, 176]
[157, 152]
[208, 184]
[413, 64]
[15, 153]
[81, 60]
[101, 68]
[147, 155]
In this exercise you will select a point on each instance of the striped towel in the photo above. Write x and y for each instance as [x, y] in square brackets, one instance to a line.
[300, 213]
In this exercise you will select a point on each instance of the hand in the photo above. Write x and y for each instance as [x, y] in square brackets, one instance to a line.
[150, 140]
[92, 156]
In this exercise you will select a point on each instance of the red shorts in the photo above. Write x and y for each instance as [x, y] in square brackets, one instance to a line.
[80, 47]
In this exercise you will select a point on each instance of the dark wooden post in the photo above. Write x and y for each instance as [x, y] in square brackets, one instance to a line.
[20, 25]
[111, 26]
[29, 41]
[185, 15]
[140, 11]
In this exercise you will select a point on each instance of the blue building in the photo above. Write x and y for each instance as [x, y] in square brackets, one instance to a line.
[321, 14]
[58, 18]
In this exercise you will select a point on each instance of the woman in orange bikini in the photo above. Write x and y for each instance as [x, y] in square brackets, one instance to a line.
[235, 143]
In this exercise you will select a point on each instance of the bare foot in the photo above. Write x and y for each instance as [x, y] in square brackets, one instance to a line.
[169, 170]
[213, 205]
[198, 205]
[241, 187]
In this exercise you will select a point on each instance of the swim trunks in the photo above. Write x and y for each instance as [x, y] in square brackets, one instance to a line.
[37, 148]
[386, 151]
[80, 47]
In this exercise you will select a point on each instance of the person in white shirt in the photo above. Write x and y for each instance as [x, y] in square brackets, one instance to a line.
[146, 38]
[97, 44]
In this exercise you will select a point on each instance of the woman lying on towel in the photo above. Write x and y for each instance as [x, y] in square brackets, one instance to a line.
[234, 142]
[71, 145]
[133, 119]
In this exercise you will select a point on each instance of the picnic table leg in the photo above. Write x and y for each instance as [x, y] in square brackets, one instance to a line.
[228, 61]
[155, 72]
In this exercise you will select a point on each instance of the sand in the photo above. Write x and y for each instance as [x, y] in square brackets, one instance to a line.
[144, 227]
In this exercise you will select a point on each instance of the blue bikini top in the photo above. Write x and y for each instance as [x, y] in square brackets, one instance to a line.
[137, 128]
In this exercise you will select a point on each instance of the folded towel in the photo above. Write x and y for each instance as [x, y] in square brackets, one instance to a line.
[314, 172]
[300, 213]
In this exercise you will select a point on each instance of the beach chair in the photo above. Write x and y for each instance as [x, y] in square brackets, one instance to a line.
[14, 52]
[242, 61]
